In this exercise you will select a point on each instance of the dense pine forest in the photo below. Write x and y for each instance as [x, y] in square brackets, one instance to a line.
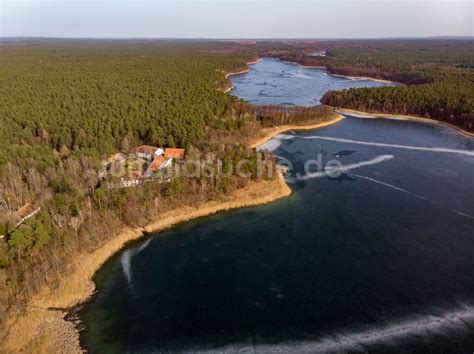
[66, 106]
[437, 75]
[91, 99]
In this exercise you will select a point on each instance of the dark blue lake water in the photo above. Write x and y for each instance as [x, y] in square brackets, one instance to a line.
[379, 259]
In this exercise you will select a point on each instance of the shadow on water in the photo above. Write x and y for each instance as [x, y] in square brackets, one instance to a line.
[344, 153]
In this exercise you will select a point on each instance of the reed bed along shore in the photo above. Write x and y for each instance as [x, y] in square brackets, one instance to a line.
[42, 328]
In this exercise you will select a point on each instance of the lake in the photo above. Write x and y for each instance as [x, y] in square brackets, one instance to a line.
[272, 81]
[377, 259]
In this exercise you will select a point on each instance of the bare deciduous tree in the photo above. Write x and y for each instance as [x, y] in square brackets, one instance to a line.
[59, 220]
[75, 222]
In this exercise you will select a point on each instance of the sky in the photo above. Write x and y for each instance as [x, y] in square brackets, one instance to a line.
[235, 18]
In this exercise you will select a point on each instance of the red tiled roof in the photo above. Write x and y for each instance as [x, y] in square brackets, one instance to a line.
[175, 153]
[146, 149]
[156, 164]
[25, 210]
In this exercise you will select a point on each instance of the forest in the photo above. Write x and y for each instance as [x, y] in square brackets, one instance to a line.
[436, 76]
[77, 98]
[67, 106]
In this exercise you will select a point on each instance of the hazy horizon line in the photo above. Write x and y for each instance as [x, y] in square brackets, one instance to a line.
[240, 38]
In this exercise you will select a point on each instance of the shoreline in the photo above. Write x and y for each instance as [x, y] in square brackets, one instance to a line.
[310, 66]
[245, 71]
[354, 78]
[366, 78]
[339, 75]
[282, 129]
[43, 326]
[270, 133]
[369, 115]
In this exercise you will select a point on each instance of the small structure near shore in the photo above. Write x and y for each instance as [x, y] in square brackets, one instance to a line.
[148, 152]
[171, 153]
[157, 164]
[26, 212]
[17, 218]
[147, 162]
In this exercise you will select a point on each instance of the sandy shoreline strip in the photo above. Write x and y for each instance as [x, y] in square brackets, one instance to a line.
[270, 133]
[43, 329]
[311, 66]
[227, 75]
[245, 71]
[367, 79]
[234, 74]
[229, 89]
[361, 114]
